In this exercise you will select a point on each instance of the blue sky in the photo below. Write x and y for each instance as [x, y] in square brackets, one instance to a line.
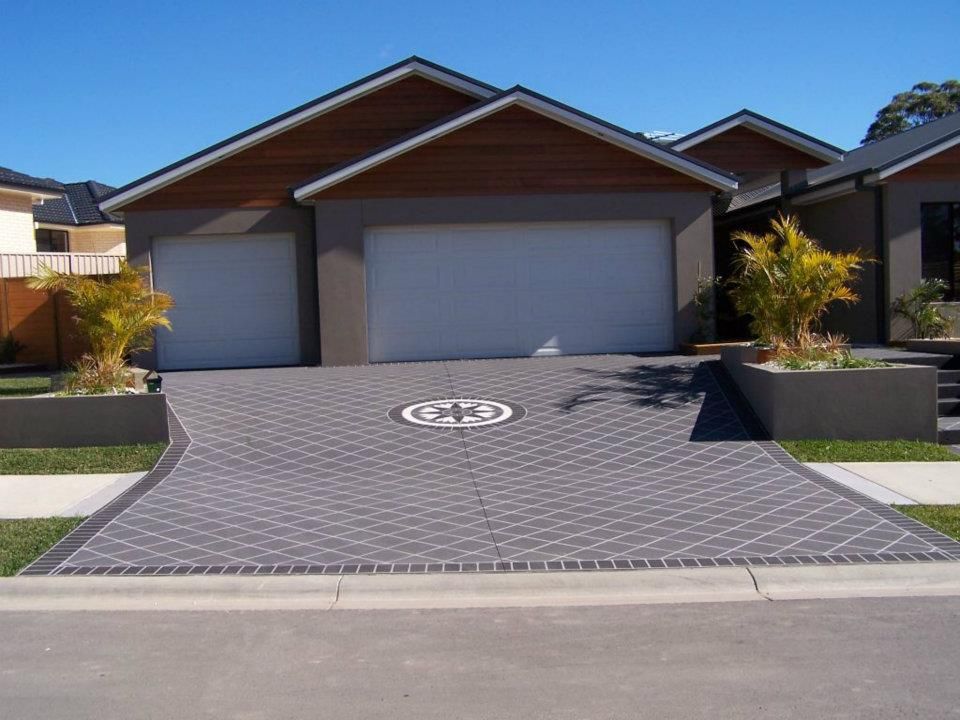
[113, 90]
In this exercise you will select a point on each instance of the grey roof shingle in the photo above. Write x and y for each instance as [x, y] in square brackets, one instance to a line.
[78, 206]
[19, 179]
[857, 162]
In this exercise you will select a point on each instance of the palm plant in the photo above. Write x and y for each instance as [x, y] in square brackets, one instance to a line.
[786, 282]
[116, 315]
[918, 306]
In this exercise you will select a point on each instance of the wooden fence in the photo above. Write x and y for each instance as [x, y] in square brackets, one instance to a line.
[41, 321]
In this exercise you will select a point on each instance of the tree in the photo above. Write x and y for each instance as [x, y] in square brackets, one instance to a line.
[116, 315]
[926, 101]
[785, 281]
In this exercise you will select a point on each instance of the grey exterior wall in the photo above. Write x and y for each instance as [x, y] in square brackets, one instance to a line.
[143, 226]
[340, 228]
[902, 202]
[46, 422]
[858, 404]
[845, 224]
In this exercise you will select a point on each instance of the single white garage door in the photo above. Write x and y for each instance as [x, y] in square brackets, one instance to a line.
[473, 291]
[236, 301]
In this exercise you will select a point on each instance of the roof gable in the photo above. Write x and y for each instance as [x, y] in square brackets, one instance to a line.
[78, 206]
[504, 146]
[765, 126]
[411, 68]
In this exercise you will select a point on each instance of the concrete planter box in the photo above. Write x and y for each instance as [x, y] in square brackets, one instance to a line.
[41, 422]
[942, 346]
[889, 403]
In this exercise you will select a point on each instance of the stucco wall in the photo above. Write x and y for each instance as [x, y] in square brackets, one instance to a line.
[340, 228]
[16, 223]
[902, 233]
[143, 226]
[845, 224]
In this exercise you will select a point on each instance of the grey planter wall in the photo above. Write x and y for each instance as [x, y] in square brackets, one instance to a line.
[44, 422]
[892, 403]
[945, 346]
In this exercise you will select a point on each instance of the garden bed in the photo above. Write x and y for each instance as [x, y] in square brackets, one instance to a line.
[898, 402]
[82, 421]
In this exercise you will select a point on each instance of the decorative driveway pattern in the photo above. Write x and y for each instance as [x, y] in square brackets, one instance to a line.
[620, 461]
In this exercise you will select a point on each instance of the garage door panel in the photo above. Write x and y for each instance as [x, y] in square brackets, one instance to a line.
[235, 296]
[533, 289]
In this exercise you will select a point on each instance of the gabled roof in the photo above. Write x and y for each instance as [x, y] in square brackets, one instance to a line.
[299, 115]
[78, 206]
[530, 100]
[21, 181]
[882, 159]
[869, 163]
[765, 126]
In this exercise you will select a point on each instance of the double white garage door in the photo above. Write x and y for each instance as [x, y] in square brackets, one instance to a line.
[474, 291]
[437, 292]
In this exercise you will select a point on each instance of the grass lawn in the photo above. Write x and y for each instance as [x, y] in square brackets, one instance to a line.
[945, 518]
[14, 385]
[23, 541]
[61, 461]
[867, 451]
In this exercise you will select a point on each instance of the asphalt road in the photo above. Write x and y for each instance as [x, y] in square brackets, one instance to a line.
[889, 658]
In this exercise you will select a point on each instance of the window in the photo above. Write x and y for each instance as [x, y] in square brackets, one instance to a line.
[52, 241]
[940, 245]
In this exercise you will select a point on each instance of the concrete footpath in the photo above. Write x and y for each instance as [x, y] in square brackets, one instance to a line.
[898, 483]
[479, 590]
[31, 496]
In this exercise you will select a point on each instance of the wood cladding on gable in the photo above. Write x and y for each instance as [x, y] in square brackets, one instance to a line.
[513, 152]
[261, 175]
[942, 166]
[750, 154]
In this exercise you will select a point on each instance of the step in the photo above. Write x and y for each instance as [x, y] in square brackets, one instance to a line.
[948, 431]
[948, 376]
[948, 407]
[948, 390]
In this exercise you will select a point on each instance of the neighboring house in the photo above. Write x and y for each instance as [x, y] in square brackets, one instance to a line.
[74, 223]
[420, 214]
[898, 200]
[45, 222]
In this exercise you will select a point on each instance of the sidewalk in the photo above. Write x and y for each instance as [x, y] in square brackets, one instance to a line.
[33, 496]
[898, 483]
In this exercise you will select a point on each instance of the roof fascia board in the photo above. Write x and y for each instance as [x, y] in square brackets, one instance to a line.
[897, 165]
[622, 139]
[271, 129]
[826, 193]
[34, 193]
[74, 228]
[768, 129]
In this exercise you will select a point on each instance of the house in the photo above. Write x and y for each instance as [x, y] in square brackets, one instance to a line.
[420, 214]
[46, 222]
[75, 223]
[898, 200]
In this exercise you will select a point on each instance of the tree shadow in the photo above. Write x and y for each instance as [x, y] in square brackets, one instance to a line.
[663, 387]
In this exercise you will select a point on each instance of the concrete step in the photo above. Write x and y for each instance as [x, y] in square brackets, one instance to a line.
[948, 390]
[948, 376]
[949, 436]
[948, 407]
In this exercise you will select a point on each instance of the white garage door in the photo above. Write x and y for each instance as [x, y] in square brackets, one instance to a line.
[472, 291]
[236, 301]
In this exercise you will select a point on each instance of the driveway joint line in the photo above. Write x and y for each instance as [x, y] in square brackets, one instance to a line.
[473, 478]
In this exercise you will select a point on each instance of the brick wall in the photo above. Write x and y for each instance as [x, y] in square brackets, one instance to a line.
[41, 321]
[16, 223]
[98, 239]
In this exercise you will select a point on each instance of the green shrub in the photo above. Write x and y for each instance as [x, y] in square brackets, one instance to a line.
[918, 307]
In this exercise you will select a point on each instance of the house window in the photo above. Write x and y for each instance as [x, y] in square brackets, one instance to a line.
[940, 245]
[52, 240]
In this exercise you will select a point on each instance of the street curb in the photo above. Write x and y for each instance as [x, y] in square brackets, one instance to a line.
[490, 590]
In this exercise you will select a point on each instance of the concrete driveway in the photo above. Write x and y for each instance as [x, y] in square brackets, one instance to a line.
[606, 462]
